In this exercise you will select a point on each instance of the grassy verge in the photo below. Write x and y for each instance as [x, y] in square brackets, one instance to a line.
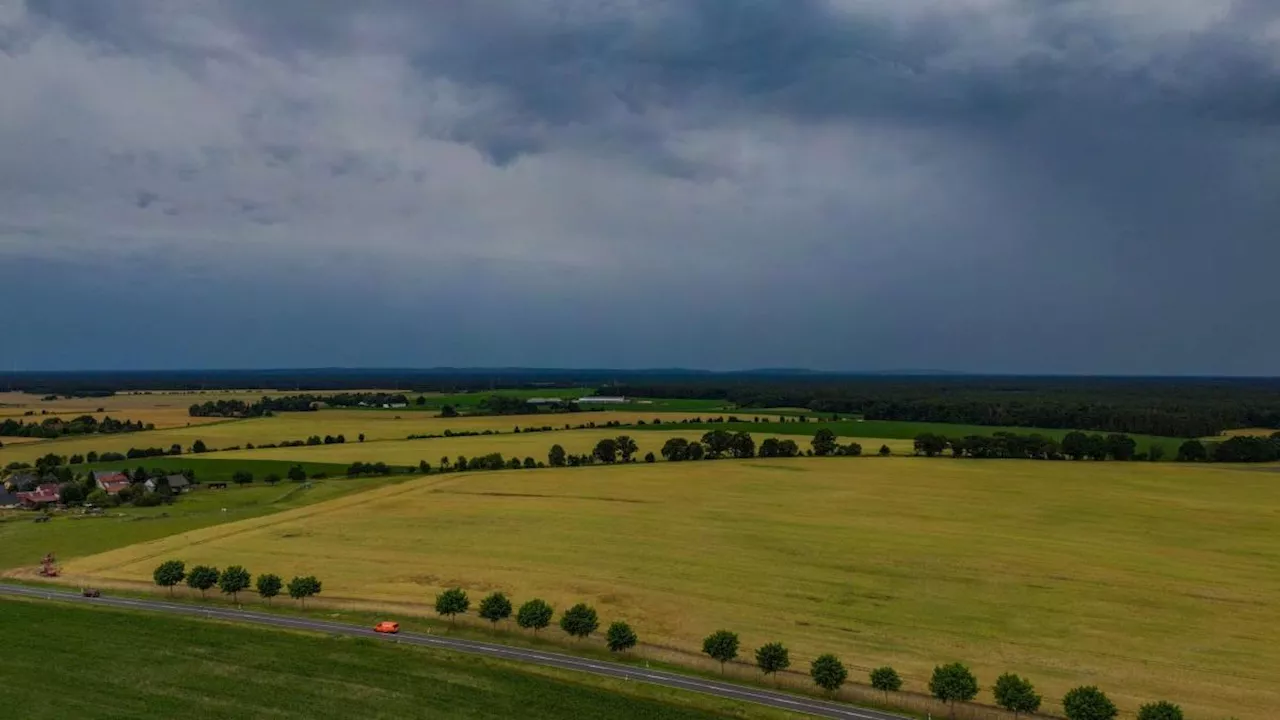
[23, 542]
[121, 664]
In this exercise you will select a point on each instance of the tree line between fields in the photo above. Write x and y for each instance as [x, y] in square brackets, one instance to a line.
[56, 427]
[951, 684]
[1081, 446]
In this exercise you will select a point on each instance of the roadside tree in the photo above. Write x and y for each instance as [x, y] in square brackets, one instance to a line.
[1088, 703]
[1160, 711]
[170, 573]
[202, 577]
[301, 588]
[953, 683]
[1016, 694]
[534, 615]
[722, 646]
[886, 680]
[233, 580]
[579, 621]
[828, 672]
[773, 658]
[269, 586]
[495, 608]
[621, 637]
[452, 602]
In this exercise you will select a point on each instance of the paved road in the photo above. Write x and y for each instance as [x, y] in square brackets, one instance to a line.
[768, 698]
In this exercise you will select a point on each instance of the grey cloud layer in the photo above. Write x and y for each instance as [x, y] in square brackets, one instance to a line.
[976, 184]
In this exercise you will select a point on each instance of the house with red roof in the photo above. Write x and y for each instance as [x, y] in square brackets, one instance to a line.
[43, 495]
[111, 481]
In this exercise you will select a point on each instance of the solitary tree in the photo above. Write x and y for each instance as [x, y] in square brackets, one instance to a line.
[297, 474]
[620, 637]
[233, 580]
[269, 586]
[648, 457]
[773, 658]
[722, 646]
[272, 478]
[202, 577]
[606, 451]
[556, 458]
[886, 680]
[1192, 451]
[534, 615]
[953, 683]
[579, 621]
[242, 477]
[1088, 703]
[828, 672]
[1160, 711]
[301, 588]
[885, 451]
[1016, 694]
[824, 442]
[170, 573]
[452, 602]
[198, 447]
[495, 608]
[626, 447]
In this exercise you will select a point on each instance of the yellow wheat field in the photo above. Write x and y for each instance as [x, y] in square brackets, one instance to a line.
[1151, 580]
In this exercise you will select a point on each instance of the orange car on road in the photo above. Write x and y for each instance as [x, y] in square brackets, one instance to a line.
[386, 626]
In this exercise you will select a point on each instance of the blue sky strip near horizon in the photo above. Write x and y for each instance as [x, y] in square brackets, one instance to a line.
[971, 185]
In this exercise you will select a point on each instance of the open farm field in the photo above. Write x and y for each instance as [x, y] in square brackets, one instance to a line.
[380, 425]
[464, 402]
[227, 671]
[1151, 580]
[900, 430]
[23, 543]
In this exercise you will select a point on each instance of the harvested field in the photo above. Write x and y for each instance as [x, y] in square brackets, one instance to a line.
[1153, 581]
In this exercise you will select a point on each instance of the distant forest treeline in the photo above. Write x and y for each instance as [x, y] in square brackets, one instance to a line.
[1169, 407]
[1178, 407]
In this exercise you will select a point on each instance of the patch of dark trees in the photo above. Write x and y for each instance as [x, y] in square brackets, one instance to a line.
[1239, 449]
[83, 425]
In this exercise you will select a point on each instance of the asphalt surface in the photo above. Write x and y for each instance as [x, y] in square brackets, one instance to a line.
[779, 700]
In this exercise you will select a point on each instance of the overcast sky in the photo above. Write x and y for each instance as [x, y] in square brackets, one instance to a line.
[1072, 186]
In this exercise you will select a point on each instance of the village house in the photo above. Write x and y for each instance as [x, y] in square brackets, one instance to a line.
[177, 483]
[110, 482]
[42, 496]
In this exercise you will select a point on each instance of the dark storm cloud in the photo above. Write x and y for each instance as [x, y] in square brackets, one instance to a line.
[976, 184]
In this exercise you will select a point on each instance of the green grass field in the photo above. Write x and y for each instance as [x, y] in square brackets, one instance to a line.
[1152, 580]
[852, 429]
[116, 664]
[23, 542]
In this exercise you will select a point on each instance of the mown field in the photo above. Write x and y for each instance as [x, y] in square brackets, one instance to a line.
[116, 664]
[374, 425]
[1153, 581]
[898, 430]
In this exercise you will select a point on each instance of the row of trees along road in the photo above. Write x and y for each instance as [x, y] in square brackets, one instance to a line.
[578, 622]
[951, 684]
[232, 581]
